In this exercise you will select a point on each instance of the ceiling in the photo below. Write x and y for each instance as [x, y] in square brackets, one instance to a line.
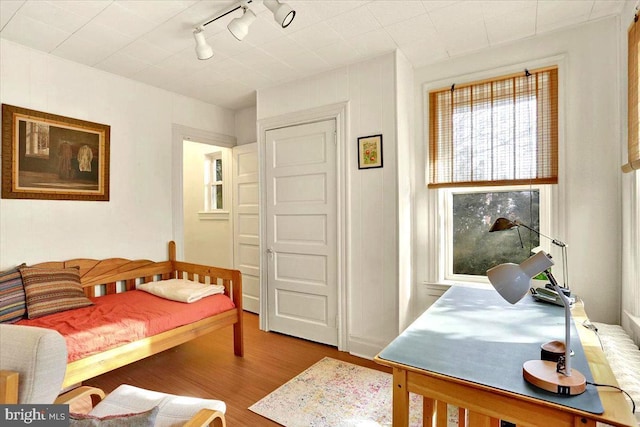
[151, 41]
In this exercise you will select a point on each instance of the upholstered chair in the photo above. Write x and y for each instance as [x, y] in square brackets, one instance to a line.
[32, 367]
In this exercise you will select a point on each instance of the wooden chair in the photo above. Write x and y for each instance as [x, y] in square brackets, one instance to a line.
[32, 368]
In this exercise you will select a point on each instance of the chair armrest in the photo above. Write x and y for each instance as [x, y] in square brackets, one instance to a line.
[8, 387]
[71, 396]
[207, 417]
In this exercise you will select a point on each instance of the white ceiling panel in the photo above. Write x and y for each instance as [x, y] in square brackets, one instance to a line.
[492, 10]
[145, 51]
[413, 30]
[389, 12]
[35, 34]
[316, 36]
[152, 41]
[49, 13]
[86, 8]
[354, 22]
[512, 26]
[121, 19]
[123, 64]
[463, 40]
[457, 15]
[81, 50]
[8, 8]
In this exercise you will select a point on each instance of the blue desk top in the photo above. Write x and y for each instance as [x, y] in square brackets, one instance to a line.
[475, 335]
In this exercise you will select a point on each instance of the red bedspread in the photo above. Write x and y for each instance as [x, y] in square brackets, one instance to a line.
[122, 318]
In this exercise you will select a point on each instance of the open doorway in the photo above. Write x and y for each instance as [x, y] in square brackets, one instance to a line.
[207, 220]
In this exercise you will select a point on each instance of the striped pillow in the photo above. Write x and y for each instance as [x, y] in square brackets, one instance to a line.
[51, 290]
[12, 301]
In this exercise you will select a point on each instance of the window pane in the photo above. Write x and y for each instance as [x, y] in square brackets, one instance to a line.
[218, 197]
[218, 170]
[475, 250]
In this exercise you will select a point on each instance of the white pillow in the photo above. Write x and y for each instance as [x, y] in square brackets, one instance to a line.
[181, 290]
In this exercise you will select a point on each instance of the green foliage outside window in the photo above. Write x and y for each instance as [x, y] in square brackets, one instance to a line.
[475, 250]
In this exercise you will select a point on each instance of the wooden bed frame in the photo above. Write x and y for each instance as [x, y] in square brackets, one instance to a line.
[114, 275]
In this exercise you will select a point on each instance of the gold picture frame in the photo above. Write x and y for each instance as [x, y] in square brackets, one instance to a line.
[370, 152]
[51, 157]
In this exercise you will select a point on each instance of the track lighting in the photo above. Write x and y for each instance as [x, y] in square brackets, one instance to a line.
[203, 50]
[282, 12]
[239, 27]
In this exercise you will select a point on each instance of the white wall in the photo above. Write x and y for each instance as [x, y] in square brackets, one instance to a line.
[246, 125]
[372, 281]
[630, 297]
[207, 240]
[590, 203]
[137, 221]
[406, 190]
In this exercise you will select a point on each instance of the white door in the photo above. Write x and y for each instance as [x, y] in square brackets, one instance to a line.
[246, 223]
[301, 218]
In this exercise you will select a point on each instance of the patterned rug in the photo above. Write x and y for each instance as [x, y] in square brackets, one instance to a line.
[332, 393]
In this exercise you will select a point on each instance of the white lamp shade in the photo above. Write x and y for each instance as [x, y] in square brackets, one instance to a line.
[203, 50]
[239, 27]
[282, 12]
[512, 281]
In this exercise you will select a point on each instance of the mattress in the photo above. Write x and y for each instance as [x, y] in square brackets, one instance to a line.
[125, 317]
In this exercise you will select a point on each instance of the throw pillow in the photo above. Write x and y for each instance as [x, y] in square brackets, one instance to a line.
[142, 419]
[51, 290]
[12, 300]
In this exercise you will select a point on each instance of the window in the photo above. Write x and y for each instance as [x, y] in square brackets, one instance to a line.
[469, 247]
[213, 182]
[37, 140]
[493, 152]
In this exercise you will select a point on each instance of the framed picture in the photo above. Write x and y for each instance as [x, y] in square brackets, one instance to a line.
[45, 156]
[370, 152]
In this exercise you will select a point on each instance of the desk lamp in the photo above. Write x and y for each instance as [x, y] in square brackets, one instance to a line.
[505, 224]
[512, 281]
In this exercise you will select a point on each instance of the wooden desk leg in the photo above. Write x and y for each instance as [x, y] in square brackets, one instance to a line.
[481, 420]
[442, 415]
[400, 398]
[462, 417]
[428, 411]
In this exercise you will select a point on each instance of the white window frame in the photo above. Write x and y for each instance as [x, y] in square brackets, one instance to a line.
[209, 213]
[431, 231]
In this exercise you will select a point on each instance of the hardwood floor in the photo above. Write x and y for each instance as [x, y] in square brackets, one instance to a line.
[206, 367]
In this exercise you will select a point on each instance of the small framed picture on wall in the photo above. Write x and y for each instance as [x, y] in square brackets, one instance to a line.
[370, 152]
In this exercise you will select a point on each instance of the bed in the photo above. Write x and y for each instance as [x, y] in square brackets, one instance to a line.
[124, 324]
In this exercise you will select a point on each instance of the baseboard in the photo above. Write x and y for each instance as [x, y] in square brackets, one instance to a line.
[364, 348]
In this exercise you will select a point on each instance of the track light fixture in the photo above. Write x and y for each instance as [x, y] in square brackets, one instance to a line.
[203, 50]
[282, 12]
[239, 27]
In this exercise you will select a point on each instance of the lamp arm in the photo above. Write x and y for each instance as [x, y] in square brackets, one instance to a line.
[554, 241]
[567, 323]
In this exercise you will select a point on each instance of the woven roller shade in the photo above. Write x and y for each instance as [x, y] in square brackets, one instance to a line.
[633, 139]
[502, 131]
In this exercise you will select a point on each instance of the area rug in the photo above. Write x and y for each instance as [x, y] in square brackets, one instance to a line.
[333, 393]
